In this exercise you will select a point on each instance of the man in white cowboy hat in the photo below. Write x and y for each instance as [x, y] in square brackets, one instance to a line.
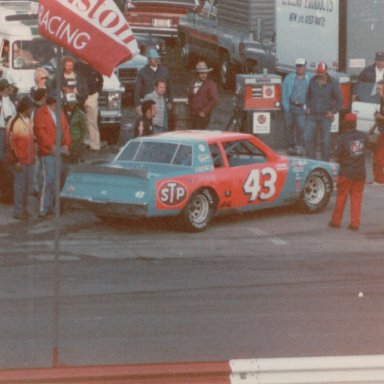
[202, 97]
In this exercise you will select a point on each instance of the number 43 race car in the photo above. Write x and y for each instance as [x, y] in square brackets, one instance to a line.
[195, 174]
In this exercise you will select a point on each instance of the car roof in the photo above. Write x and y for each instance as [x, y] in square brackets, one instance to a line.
[198, 136]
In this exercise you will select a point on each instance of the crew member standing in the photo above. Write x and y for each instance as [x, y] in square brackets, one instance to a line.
[295, 87]
[324, 100]
[350, 153]
[202, 97]
[371, 74]
[21, 154]
[95, 82]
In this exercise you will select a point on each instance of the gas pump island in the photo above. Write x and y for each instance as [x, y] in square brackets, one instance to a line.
[259, 96]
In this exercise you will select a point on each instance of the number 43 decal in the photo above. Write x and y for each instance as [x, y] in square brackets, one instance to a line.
[258, 190]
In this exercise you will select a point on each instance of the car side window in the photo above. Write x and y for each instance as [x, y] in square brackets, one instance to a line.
[243, 152]
[217, 158]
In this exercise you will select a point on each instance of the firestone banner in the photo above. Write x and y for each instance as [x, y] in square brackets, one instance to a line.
[94, 30]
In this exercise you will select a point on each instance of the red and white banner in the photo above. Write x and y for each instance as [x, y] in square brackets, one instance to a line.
[94, 30]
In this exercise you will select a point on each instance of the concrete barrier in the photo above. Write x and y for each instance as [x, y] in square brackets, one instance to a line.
[306, 370]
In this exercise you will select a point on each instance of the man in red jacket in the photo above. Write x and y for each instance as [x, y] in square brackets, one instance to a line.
[45, 124]
[202, 97]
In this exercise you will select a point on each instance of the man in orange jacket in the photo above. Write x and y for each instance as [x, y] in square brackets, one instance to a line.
[45, 131]
[21, 155]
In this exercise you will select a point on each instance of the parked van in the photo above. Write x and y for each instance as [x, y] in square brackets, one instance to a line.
[22, 50]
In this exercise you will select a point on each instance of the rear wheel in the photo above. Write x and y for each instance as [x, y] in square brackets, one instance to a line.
[317, 191]
[199, 211]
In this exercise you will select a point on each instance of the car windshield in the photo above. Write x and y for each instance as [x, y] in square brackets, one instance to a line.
[31, 54]
[366, 92]
[157, 152]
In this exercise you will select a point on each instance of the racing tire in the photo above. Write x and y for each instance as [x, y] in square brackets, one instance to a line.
[227, 72]
[199, 211]
[316, 192]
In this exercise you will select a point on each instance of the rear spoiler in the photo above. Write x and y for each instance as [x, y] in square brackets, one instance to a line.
[104, 169]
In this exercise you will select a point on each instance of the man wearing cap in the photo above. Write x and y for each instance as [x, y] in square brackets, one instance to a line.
[350, 153]
[21, 154]
[78, 129]
[146, 78]
[202, 97]
[45, 123]
[7, 110]
[295, 86]
[324, 100]
[370, 74]
[72, 81]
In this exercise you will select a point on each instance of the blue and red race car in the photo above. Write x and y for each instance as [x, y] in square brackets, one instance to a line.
[195, 174]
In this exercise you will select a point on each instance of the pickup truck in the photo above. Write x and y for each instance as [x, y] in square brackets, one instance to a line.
[234, 37]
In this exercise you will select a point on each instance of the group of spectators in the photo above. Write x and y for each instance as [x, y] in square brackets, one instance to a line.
[29, 131]
[310, 103]
[154, 97]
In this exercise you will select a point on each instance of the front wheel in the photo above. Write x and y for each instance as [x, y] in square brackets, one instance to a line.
[317, 191]
[199, 211]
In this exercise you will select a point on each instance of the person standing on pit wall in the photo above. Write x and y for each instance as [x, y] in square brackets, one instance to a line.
[203, 97]
[146, 78]
[350, 153]
[294, 94]
[324, 100]
[21, 154]
[95, 81]
[378, 157]
[45, 123]
[371, 74]
[160, 120]
[144, 125]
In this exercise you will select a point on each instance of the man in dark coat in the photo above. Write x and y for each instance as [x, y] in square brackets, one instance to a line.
[202, 97]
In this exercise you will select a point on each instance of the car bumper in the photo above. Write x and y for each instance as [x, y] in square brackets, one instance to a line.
[111, 209]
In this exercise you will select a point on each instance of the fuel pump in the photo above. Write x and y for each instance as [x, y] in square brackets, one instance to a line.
[259, 96]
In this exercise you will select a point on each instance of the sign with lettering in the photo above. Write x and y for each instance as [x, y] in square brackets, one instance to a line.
[94, 30]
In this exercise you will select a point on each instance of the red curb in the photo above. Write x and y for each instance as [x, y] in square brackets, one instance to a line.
[176, 373]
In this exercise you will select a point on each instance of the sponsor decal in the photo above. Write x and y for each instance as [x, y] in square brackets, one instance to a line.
[204, 157]
[201, 147]
[172, 193]
[282, 167]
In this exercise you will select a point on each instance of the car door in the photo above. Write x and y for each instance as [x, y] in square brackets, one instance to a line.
[257, 177]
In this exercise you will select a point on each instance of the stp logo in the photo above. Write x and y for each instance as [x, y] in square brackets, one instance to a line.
[172, 193]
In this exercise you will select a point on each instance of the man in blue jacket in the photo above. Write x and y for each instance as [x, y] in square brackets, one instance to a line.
[324, 100]
[295, 86]
[371, 74]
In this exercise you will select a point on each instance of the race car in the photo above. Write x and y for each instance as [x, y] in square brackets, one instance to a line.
[193, 175]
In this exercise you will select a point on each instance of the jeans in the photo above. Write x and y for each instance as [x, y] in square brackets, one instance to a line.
[313, 126]
[294, 137]
[22, 187]
[48, 176]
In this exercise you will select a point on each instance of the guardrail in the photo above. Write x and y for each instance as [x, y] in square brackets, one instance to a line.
[306, 370]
